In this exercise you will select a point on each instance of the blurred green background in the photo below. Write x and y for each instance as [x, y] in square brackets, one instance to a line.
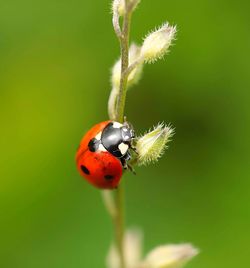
[55, 60]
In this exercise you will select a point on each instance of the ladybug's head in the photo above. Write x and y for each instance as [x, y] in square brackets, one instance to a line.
[127, 132]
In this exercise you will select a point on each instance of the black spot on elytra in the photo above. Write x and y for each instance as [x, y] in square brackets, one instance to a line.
[85, 170]
[108, 177]
[94, 145]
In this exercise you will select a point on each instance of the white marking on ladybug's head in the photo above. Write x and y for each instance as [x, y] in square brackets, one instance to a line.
[101, 148]
[98, 136]
[126, 137]
[117, 125]
[123, 148]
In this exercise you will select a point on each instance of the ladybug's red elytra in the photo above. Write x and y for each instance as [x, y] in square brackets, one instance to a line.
[104, 152]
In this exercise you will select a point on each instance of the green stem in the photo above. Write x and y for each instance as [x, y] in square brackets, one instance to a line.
[124, 44]
[119, 195]
[119, 224]
[115, 203]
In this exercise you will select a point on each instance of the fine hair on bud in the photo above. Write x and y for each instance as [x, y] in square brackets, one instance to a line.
[118, 6]
[157, 43]
[151, 146]
[169, 256]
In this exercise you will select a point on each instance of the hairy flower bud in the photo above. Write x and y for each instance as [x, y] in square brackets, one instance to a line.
[112, 102]
[157, 43]
[169, 256]
[132, 246]
[119, 5]
[134, 76]
[152, 145]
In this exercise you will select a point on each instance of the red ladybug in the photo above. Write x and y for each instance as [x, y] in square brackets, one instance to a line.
[104, 152]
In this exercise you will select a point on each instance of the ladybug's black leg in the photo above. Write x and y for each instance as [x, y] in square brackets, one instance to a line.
[127, 156]
[124, 163]
[125, 159]
[127, 166]
[133, 148]
[131, 169]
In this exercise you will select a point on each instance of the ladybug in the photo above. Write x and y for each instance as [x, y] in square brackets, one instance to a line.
[104, 152]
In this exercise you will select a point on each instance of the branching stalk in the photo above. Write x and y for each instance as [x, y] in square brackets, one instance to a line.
[149, 147]
[119, 198]
[115, 203]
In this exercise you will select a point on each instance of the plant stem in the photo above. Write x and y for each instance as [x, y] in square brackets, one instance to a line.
[115, 208]
[124, 44]
[115, 202]
[119, 224]
[118, 199]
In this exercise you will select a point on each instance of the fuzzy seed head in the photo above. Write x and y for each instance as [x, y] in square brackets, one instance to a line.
[169, 256]
[132, 245]
[151, 146]
[157, 43]
[119, 6]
